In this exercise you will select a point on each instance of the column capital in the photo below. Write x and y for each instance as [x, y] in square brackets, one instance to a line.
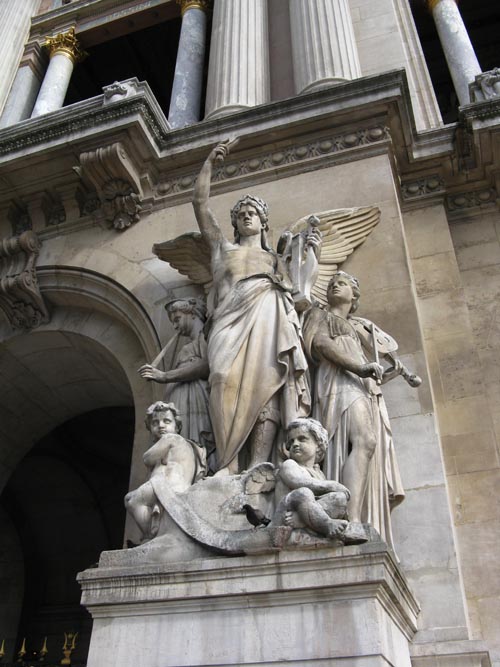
[66, 43]
[204, 5]
[431, 4]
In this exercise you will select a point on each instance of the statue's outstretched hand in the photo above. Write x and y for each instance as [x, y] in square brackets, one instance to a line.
[222, 149]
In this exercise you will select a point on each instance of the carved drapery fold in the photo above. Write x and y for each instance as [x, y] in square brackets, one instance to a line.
[20, 297]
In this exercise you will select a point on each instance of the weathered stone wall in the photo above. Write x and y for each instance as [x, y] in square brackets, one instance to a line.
[457, 276]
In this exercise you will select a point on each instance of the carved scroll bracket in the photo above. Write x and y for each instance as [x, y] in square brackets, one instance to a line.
[20, 296]
[117, 182]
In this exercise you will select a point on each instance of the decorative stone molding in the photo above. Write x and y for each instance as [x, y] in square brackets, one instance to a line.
[466, 200]
[65, 43]
[19, 217]
[53, 209]
[428, 186]
[204, 5]
[285, 159]
[84, 117]
[486, 86]
[20, 297]
[117, 182]
[87, 200]
[120, 89]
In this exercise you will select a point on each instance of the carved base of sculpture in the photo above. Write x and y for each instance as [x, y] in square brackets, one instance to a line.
[341, 607]
[208, 520]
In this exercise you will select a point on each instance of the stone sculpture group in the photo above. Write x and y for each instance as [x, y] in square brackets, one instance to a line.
[278, 389]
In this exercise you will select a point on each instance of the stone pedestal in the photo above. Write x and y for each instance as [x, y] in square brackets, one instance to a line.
[348, 607]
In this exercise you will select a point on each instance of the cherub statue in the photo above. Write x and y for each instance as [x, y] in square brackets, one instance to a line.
[173, 462]
[303, 497]
[258, 371]
[349, 403]
[187, 385]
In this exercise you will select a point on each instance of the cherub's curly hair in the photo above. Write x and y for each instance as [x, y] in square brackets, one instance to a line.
[318, 431]
[160, 406]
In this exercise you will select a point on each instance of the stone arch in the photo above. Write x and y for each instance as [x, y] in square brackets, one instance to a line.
[84, 358]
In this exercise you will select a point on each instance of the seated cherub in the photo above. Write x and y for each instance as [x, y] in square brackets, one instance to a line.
[174, 463]
[303, 497]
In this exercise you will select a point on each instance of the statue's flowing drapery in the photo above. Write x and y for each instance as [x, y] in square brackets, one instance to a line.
[256, 351]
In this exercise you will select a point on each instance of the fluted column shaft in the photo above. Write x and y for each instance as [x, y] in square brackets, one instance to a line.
[188, 78]
[457, 47]
[323, 45]
[238, 74]
[64, 52]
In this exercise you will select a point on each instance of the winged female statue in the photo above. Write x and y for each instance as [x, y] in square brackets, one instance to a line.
[258, 370]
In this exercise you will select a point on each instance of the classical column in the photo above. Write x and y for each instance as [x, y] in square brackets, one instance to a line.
[65, 52]
[323, 45]
[15, 21]
[238, 73]
[188, 78]
[457, 47]
[24, 90]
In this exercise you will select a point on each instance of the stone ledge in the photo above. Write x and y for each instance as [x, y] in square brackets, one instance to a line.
[471, 653]
[254, 610]
[348, 573]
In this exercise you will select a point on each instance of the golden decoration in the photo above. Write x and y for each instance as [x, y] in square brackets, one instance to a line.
[193, 4]
[68, 647]
[66, 43]
[433, 3]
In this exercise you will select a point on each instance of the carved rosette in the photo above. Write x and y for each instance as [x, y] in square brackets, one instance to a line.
[67, 44]
[20, 297]
[117, 182]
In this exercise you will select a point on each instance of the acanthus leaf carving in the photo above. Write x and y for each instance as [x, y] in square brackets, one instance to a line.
[20, 296]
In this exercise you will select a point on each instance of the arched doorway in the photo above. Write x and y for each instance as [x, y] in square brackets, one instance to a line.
[64, 502]
[71, 444]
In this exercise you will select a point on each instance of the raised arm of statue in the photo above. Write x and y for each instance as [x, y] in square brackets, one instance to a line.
[209, 227]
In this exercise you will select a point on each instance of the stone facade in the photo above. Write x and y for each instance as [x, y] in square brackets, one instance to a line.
[99, 182]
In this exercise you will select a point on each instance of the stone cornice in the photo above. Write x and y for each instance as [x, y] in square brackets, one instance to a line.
[347, 122]
[87, 14]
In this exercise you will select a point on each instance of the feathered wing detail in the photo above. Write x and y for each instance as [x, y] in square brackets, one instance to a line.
[190, 255]
[260, 479]
[343, 230]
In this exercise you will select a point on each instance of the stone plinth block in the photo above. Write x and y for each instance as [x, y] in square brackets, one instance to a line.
[349, 606]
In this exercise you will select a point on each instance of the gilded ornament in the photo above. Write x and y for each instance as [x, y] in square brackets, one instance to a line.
[193, 4]
[66, 43]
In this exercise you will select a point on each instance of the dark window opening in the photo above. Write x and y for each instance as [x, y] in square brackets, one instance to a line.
[482, 20]
[61, 508]
[148, 54]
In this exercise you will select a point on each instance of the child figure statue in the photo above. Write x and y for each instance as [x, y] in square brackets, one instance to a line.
[304, 498]
[174, 464]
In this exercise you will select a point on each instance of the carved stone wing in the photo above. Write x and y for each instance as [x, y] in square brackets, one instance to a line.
[190, 255]
[343, 230]
[259, 479]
